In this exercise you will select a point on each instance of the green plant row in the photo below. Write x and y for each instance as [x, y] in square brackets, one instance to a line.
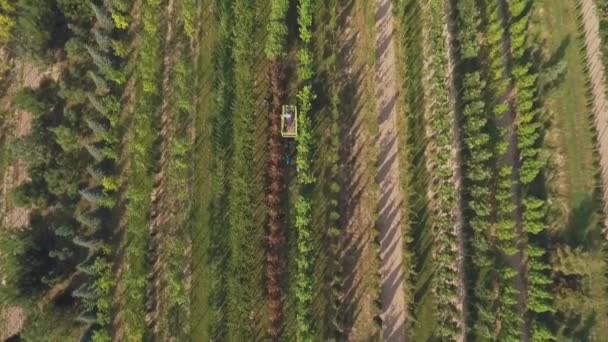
[499, 304]
[139, 173]
[304, 278]
[104, 150]
[529, 132]
[277, 30]
[173, 316]
[209, 299]
[440, 120]
[245, 280]
[478, 158]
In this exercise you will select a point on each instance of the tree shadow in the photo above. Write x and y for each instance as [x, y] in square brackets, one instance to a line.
[583, 228]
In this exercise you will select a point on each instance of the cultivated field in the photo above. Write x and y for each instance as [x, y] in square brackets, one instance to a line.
[303, 170]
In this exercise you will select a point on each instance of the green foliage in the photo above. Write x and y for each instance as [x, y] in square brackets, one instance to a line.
[102, 16]
[139, 173]
[66, 138]
[304, 139]
[189, 14]
[7, 24]
[440, 121]
[303, 282]
[35, 27]
[305, 259]
[245, 279]
[277, 29]
[529, 131]
[103, 285]
[77, 11]
[52, 154]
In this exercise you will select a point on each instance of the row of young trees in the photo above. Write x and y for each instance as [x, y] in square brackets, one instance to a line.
[504, 271]
[478, 158]
[167, 300]
[140, 146]
[304, 273]
[439, 116]
[103, 146]
[171, 214]
[529, 133]
[488, 81]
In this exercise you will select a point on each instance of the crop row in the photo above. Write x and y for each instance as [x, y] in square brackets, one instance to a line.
[529, 132]
[139, 172]
[479, 156]
[440, 116]
[507, 87]
[503, 271]
[104, 127]
[245, 273]
[304, 278]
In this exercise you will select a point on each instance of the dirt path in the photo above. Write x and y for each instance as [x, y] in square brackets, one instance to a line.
[359, 197]
[598, 86]
[389, 219]
[275, 239]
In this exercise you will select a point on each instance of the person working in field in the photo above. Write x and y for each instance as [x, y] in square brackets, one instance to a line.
[288, 119]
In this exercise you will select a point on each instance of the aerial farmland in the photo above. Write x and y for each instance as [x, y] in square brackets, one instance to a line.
[303, 170]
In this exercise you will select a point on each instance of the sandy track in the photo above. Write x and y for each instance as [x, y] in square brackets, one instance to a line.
[597, 74]
[359, 197]
[389, 219]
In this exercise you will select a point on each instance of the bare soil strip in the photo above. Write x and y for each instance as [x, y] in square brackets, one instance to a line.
[597, 74]
[390, 219]
[275, 193]
[358, 198]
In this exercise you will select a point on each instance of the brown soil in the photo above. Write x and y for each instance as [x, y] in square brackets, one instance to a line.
[276, 237]
[359, 196]
[12, 320]
[389, 221]
[597, 74]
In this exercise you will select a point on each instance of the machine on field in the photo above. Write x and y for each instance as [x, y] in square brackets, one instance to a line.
[289, 121]
[289, 129]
